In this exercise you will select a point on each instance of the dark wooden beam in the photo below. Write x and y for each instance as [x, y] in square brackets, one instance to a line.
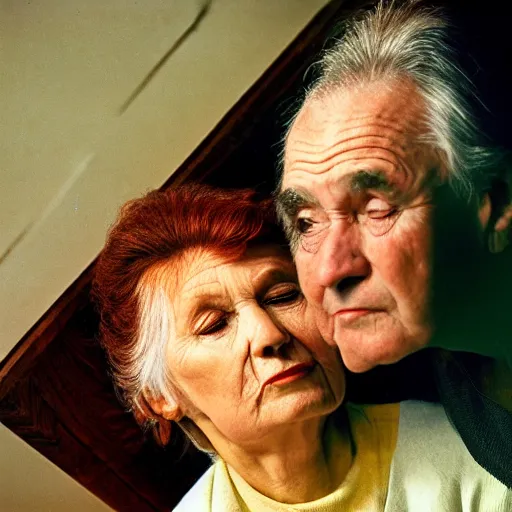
[36, 340]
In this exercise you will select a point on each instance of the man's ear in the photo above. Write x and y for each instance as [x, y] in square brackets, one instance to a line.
[495, 214]
[504, 223]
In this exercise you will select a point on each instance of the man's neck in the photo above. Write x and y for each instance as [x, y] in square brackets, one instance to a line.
[474, 310]
[495, 381]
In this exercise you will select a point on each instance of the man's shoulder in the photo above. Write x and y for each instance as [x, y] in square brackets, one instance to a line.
[424, 429]
[484, 425]
[433, 470]
[424, 418]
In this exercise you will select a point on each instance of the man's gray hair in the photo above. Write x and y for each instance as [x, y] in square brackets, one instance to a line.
[404, 40]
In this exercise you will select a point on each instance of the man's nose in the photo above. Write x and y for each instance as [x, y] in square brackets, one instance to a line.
[340, 262]
[266, 337]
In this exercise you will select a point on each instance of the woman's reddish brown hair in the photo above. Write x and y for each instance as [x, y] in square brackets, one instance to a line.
[156, 229]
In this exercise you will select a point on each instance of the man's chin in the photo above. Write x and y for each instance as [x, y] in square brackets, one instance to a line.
[371, 353]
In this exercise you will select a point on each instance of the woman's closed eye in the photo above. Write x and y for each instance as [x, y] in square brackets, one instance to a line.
[213, 324]
[286, 297]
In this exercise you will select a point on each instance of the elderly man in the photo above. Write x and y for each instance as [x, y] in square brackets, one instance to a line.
[398, 217]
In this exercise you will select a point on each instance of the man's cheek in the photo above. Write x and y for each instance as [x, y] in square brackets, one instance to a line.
[306, 282]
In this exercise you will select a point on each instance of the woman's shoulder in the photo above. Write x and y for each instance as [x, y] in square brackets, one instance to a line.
[213, 492]
[199, 496]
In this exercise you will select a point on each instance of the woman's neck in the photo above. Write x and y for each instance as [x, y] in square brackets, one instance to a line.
[301, 463]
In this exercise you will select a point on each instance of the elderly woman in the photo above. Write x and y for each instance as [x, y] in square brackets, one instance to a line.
[206, 328]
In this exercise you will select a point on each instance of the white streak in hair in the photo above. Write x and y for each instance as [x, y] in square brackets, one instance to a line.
[156, 325]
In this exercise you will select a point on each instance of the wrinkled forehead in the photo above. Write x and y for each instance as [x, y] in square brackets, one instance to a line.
[377, 129]
[206, 266]
[200, 269]
[391, 111]
[172, 273]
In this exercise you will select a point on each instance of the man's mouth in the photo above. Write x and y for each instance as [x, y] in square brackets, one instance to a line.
[351, 314]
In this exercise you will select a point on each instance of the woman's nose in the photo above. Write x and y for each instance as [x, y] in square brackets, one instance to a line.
[266, 336]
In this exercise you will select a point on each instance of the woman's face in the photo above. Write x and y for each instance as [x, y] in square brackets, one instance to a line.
[246, 355]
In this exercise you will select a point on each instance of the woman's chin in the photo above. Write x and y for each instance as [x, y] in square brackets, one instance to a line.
[300, 405]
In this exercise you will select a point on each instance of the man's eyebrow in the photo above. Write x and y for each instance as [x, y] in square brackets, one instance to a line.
[370, 180]
[290, 201]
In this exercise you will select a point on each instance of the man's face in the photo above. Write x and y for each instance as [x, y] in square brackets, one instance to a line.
[357, 191]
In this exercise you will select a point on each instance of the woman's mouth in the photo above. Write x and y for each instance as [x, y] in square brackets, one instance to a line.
[291, 374]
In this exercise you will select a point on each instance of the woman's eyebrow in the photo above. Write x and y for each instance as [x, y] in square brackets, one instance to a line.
[267, 277]
[197, 304]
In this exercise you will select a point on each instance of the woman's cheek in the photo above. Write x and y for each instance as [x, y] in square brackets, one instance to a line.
[293, 318]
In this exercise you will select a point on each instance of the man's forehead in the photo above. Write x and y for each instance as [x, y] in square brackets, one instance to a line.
[397, 102]
[367, 138]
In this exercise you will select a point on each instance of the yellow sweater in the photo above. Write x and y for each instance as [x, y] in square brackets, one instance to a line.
[408, 458]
